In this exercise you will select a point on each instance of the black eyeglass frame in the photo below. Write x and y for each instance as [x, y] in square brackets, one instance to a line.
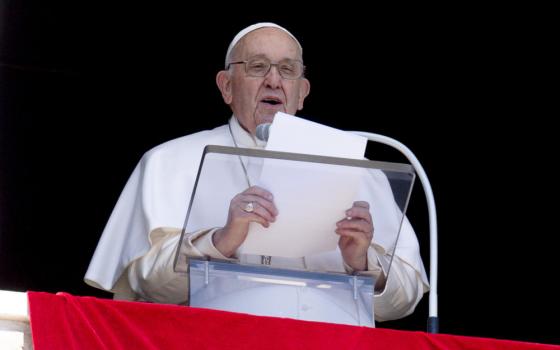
[269, 68]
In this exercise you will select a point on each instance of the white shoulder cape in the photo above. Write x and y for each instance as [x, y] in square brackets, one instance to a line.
[157, 196]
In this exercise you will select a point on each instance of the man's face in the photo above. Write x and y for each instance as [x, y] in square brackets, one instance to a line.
[255, 100]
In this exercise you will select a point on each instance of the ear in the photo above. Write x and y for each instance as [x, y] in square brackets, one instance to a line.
[223, 80]
[304, 88]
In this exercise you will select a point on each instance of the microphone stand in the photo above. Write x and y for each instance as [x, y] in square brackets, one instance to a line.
[433, 321]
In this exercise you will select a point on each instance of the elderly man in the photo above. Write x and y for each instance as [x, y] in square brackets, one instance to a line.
[264, 74]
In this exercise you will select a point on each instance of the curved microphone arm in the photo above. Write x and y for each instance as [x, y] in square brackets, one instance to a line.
[433, 325]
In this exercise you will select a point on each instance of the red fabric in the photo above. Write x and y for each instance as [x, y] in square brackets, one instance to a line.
[63, 321]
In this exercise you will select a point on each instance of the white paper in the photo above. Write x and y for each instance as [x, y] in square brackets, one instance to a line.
[289, 133]
[310, 197]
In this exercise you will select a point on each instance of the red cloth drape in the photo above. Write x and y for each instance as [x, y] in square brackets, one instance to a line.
[63, 321]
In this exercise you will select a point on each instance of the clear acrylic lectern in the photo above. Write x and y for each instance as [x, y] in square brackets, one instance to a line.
[294, 268]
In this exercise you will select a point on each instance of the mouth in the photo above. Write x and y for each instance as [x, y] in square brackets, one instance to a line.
[271, 101]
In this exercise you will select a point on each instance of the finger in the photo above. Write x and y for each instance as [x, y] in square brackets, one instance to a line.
[254, 217]
[358, 236]
[259, 219]
[259, 210]
[355, 225]
[247, 196]
[239, 213]
[259, 191]
[361, 204]
[266, 204]
[359, 213]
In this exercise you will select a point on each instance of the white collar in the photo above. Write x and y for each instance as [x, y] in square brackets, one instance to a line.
[242, 137]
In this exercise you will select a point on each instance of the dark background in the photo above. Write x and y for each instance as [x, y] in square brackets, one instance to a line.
[85, 91]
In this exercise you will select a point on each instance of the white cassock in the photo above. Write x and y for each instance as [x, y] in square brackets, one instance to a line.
[135, 255]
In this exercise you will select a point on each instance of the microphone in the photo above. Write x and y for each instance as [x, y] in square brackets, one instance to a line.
[263, 131]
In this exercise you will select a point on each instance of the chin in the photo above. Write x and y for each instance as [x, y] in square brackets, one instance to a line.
[265, 119]
[269, 116]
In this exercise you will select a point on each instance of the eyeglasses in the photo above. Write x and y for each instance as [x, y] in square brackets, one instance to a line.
[260, 66]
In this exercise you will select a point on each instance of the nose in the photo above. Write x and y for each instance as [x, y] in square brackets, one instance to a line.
[273, 79]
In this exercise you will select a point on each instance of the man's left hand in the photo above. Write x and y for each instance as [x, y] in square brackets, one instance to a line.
[356, 232]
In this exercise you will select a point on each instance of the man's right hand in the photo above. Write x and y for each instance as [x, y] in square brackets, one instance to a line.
[233, 234]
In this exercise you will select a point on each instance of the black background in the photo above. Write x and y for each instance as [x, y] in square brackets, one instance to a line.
[86, 90]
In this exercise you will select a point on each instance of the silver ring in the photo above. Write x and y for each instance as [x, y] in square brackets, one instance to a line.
[249, 207]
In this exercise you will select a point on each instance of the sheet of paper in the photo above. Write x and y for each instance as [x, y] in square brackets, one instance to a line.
[310, 197]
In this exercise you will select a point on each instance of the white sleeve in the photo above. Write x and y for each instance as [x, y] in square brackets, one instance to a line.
[152, 277]
[402, 291]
